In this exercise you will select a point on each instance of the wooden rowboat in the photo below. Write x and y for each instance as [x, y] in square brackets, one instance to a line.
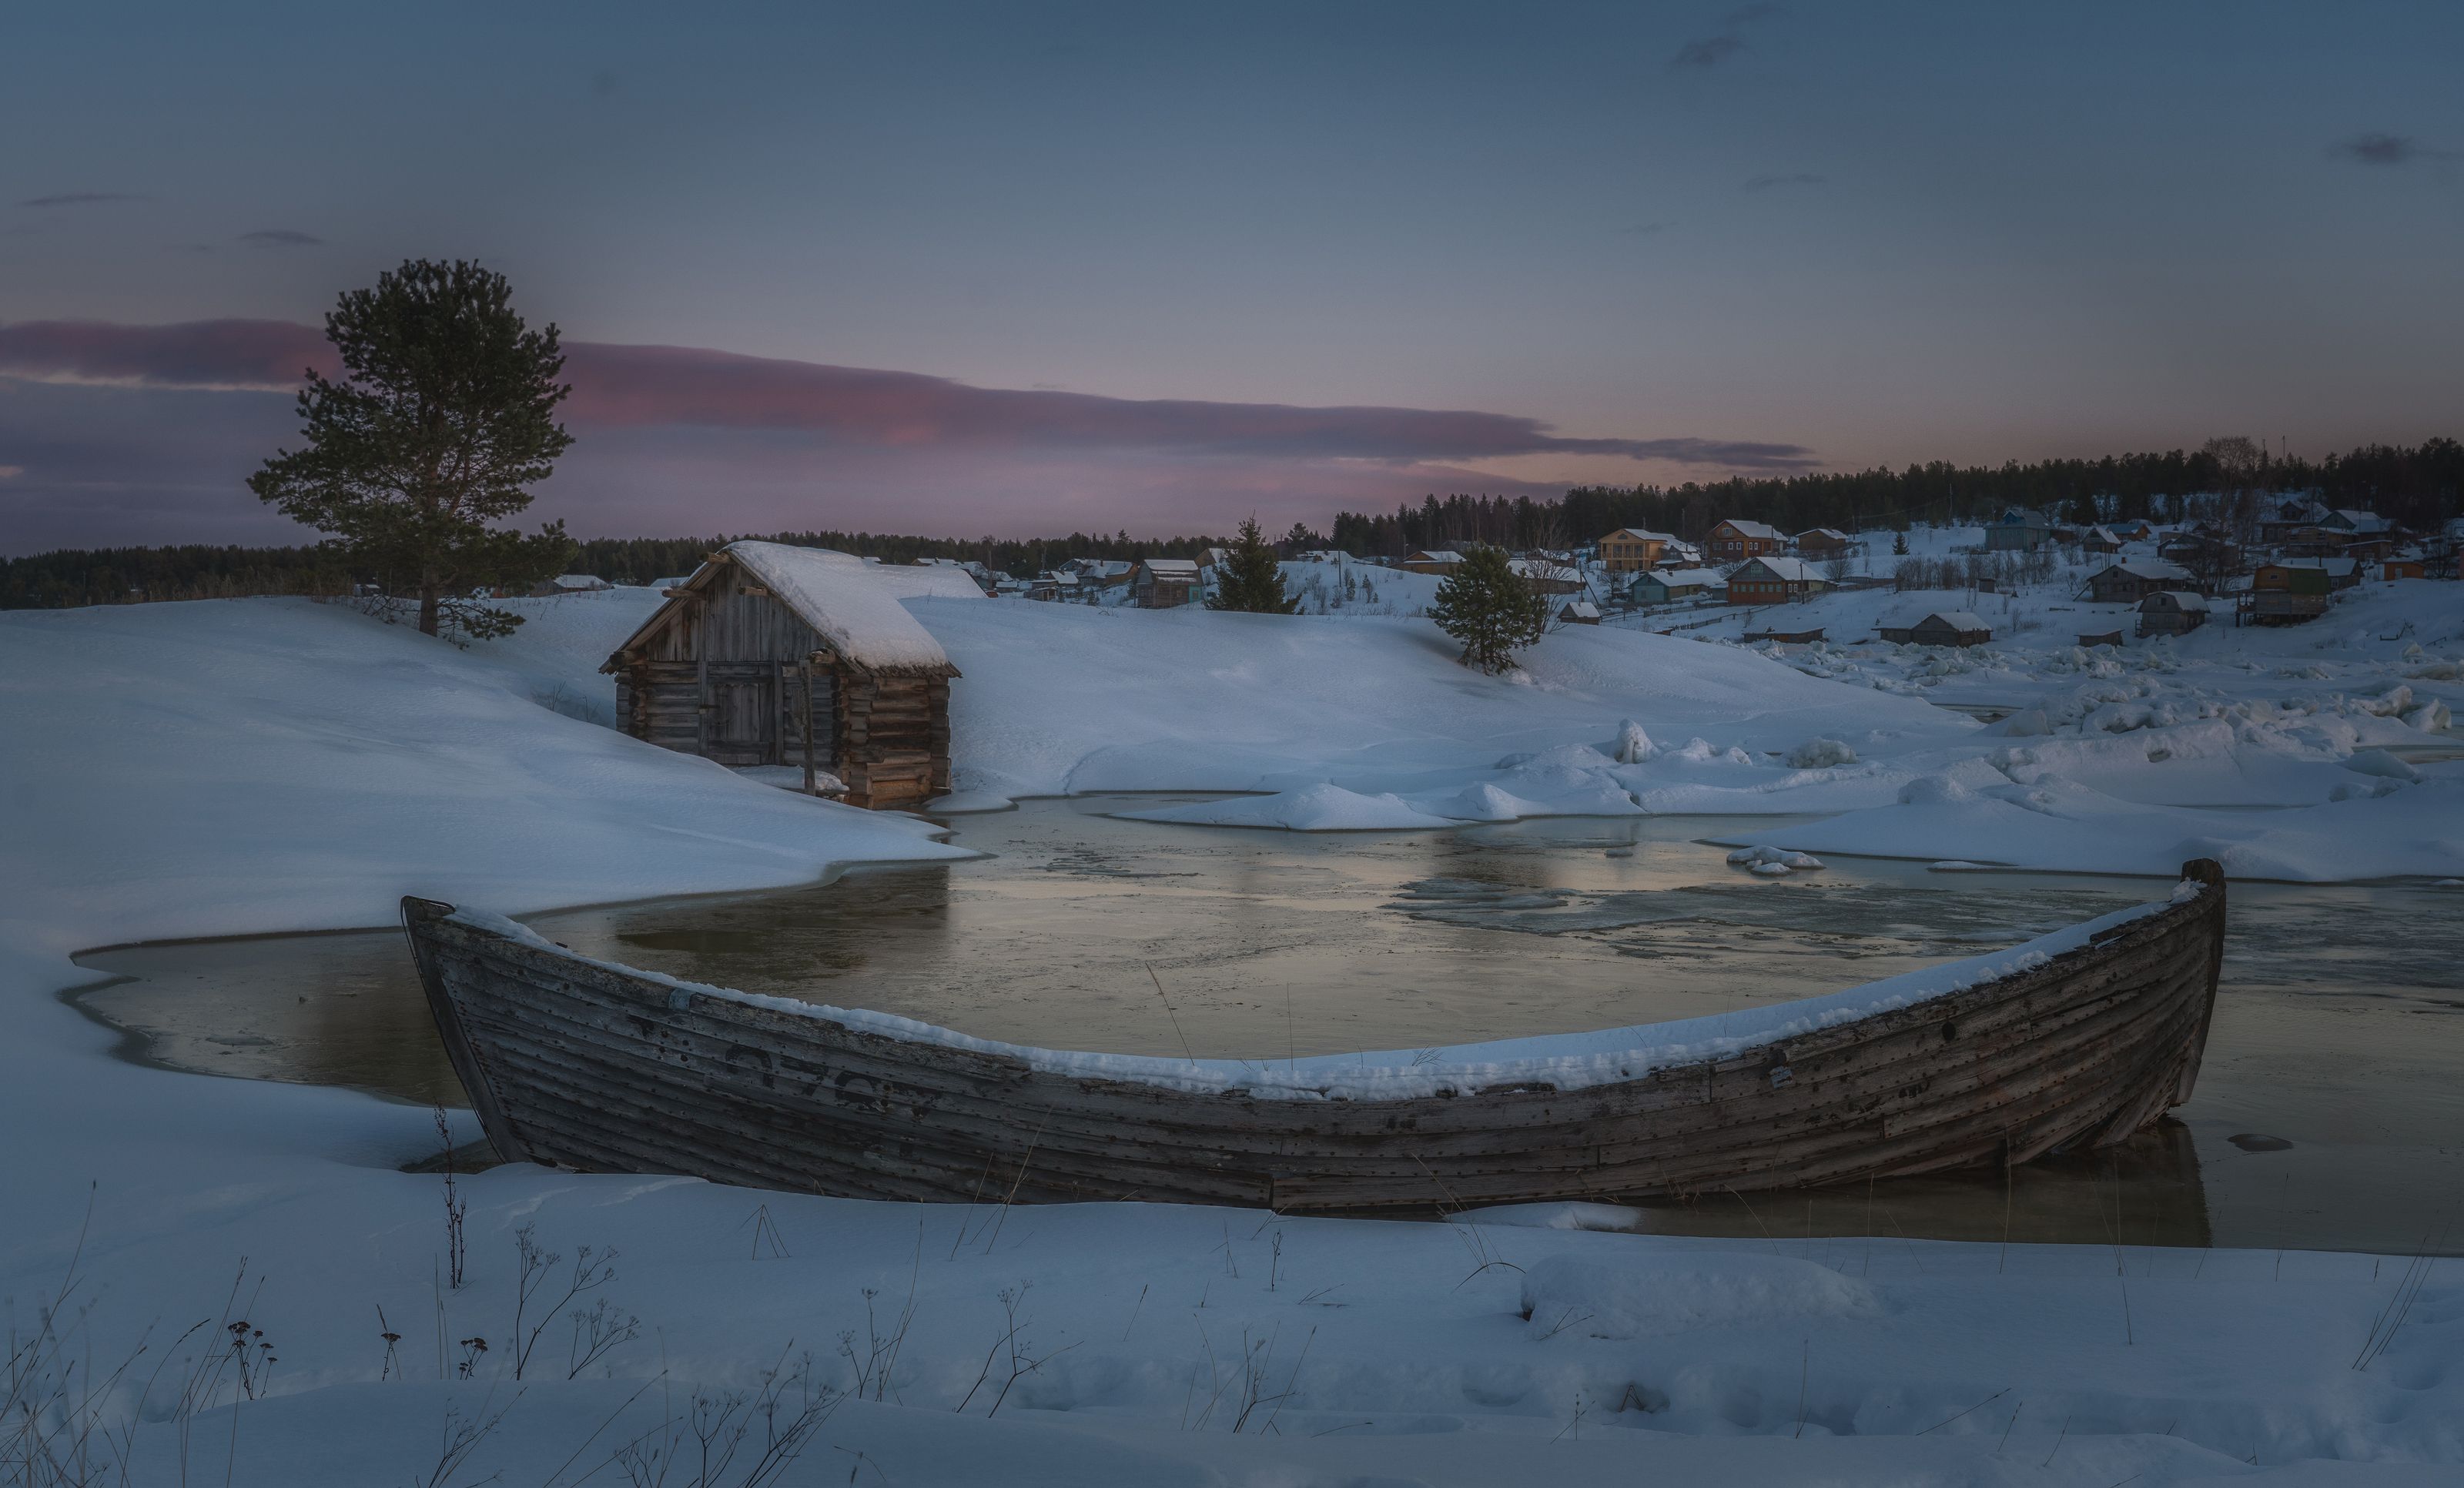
[2081, 1038]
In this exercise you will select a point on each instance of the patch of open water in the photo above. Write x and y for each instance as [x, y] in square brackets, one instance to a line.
[2339, 1027]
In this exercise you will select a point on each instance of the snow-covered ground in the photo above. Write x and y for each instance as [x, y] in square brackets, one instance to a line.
[236, 767]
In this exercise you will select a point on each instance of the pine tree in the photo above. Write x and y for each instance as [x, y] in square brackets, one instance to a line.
[1488, 607]
[1250, 580]
[1900, 544]
[444, 413]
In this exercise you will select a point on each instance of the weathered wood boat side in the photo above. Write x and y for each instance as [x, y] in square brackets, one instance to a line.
[589, 1065]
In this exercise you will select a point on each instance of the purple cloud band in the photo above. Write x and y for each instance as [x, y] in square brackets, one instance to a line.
[646, 386]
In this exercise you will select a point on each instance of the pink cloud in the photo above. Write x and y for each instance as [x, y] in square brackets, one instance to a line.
[620, 386]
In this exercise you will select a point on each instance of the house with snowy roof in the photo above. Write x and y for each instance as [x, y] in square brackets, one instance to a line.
[1734, 540]
[1578, 612]
[2021, 529]
[2132, 581]
[1430, 561]
[1547, 577]
[779, 655]
[1941, 627]
[1667, 585]
[1164, 583]
[569, 583]
[2171, 612]
[1631, 550]
[1823, 542]
[1775, 581]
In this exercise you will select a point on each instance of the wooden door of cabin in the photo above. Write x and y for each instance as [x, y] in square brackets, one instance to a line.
[742, 717]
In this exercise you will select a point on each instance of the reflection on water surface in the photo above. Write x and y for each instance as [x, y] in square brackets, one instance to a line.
[2337, 1031]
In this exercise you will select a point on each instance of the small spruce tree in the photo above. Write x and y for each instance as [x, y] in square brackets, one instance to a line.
[1900, 544]
[443, 414]
[1250, 580]
[1490, 608]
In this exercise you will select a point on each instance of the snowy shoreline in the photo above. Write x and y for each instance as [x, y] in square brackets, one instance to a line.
[248, 767]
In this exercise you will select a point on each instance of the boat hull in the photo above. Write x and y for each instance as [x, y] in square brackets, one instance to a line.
[581, 1064]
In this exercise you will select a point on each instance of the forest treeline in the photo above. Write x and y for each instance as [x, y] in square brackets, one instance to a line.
[2416, 485]
[73, 576]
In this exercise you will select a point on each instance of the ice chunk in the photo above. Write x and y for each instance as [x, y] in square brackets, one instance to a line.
[2379, 762]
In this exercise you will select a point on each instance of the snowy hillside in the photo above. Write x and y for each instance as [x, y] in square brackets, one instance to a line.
[230, 766]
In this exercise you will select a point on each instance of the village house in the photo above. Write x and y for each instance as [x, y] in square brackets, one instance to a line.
[1735, 540]
[1094, 573]
[779, 655]
[1547, 577]
[2129, 582]
[1775, 581]
[2099, 638]
[2282, 517]
[2287, 591]
[1941, 627]
[1785, 637]
[569, 583]
[1666, 585]
[1632, 549]
[1164, 583]
[2020, 530]
[1578, 612]
[2171, 612]
[1823, 542]
[2409, 565]
[2099, 540]
[1430, 561]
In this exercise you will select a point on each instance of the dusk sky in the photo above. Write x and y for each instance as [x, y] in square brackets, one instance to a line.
[1019, 270]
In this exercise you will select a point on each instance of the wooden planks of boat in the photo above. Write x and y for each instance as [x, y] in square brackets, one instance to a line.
[2083, 1036]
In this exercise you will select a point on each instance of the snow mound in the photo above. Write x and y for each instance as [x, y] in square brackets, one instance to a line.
[1822, 754]
[1934, 790]
[1633, 746]
[1774, 862]
[1325, 807]
[1482, 802]
[1683, 1293]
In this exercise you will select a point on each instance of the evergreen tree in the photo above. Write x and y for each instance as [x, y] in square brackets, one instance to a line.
[1900, 544]
[1488, 607]
[444, 413]
[1250, 580]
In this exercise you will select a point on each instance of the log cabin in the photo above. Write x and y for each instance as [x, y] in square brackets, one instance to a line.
[779, 655]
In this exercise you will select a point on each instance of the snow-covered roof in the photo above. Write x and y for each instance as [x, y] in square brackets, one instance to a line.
[1686, 577]
[1793, 570]
[937, 582]
[1433, 556]
[1962, 620]
[1832, 533]
[578, 582]
[1642, 535]
[1581, 609]
[1746, 529]
[2327, 565]
[1541, 568]
[2145, 568]
[853, 605]
[1173, 568]
[2182, 599]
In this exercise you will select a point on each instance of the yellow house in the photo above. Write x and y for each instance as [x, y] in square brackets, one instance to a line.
[1631, 550]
